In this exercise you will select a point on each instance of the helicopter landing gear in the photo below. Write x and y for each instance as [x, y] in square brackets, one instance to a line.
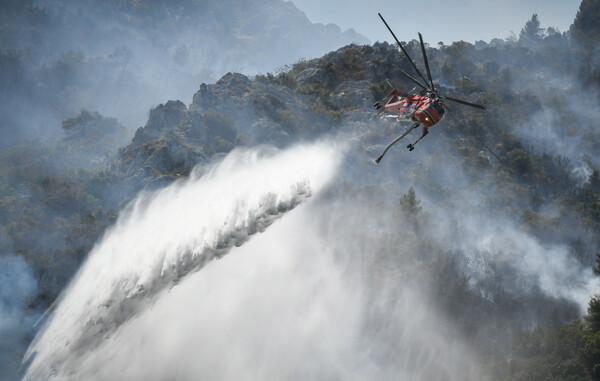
[425, 133]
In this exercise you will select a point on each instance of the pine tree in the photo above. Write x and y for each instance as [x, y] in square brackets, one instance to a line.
[593, 317]
[532, 30]
[409, 204]
[586, 27]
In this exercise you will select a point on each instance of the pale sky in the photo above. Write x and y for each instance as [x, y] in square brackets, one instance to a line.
[440, 20]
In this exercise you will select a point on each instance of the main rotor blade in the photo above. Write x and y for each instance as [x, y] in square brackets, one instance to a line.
[426, 61]
[411, 77]
[475, 136]
[464, 102]
[402, 47]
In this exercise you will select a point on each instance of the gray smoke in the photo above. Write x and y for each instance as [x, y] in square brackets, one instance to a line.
[18, 287]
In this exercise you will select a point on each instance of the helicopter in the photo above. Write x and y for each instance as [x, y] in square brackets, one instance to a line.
[424, 109]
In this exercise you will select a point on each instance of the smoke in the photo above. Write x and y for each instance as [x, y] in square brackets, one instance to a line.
[566, 127]
[493, 244]
[488, 239]
[523, 270]
[17, 288]
[120, 59]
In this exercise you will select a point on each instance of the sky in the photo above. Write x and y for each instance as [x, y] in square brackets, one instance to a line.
[440, 20]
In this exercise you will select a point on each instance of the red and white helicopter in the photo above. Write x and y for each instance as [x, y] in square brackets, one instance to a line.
[424, 109]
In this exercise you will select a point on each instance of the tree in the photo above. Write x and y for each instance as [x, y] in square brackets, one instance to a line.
[531, 32]
[585, 26]
[593, 317]
[594, 181]
[555, 37]
[409, 204]
[597, 267]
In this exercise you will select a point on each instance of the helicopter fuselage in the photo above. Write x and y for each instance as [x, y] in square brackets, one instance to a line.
[418, 108]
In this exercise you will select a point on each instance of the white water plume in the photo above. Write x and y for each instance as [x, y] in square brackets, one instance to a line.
[282, 307]
[327, 292]
[295, 302]
[166, 235]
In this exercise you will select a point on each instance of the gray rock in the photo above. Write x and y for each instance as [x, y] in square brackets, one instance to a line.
[307, 76]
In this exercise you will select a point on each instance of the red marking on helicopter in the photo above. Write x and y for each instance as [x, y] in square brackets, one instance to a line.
[418, 108]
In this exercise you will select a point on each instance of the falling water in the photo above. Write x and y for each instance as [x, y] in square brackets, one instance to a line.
[164, 236]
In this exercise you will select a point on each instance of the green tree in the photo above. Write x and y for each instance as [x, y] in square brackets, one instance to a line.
[531, 32]
[585, 26]
[593, 317]
[594, 182]
[350, 66]
[409, 204]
